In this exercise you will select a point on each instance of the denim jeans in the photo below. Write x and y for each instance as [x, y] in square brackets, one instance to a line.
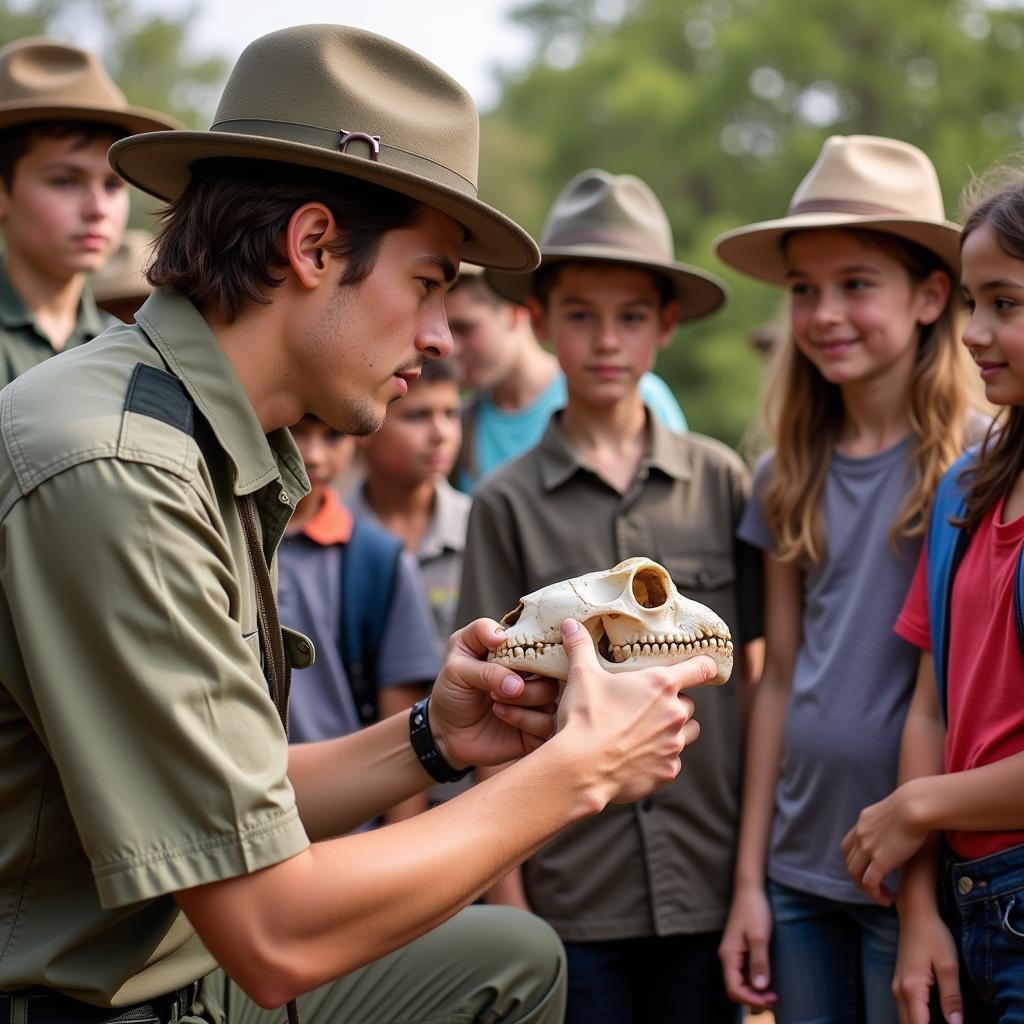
[983, 903]
[674, 979]
[832, 962]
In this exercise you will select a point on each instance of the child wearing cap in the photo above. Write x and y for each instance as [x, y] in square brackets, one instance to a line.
[640, 893]
[62, 209]
[867, 405]
[515, 384]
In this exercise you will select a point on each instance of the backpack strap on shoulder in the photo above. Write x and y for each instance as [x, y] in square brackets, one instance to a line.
[369, 569]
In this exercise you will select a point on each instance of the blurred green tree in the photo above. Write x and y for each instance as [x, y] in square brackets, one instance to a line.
[722, 105]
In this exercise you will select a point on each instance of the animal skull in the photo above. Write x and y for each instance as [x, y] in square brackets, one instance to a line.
[634, 614]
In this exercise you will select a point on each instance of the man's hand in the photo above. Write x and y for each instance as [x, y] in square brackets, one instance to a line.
[480, 712]
[884, 838]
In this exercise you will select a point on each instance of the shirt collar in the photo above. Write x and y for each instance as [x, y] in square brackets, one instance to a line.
[447, 529]
[558, 461]
[14, 313]
[184, 339]
[332, 522]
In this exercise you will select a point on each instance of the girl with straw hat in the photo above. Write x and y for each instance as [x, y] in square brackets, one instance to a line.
[866, 406]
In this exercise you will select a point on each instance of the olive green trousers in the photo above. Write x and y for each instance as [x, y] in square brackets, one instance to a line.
[484, 966]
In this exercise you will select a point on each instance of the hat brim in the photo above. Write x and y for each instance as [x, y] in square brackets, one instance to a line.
[132, 120]
[161, 163]
[757, 249]
[699, 292]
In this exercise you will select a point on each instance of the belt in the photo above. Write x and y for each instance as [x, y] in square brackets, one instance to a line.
[44, 1006]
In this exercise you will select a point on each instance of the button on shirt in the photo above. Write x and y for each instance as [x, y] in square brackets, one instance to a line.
[23, 345]
[664, 865]
[140, 752]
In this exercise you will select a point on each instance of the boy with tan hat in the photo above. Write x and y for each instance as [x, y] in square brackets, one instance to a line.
[62, 208]
[639, 894]
[156, 823]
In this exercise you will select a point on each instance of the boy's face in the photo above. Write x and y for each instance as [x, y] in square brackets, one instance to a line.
[606, 324]
[325, 451]
[356, 349]
[484, 337]
[421, 436]
[64, 211]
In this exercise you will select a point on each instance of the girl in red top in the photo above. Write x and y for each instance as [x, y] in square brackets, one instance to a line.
[966, 779]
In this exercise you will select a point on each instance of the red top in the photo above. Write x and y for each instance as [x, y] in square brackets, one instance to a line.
[986, 670]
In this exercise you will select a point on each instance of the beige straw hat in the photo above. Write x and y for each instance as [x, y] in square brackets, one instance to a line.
[343, 100]
[860, 181]
[614, 218]
[43, 80]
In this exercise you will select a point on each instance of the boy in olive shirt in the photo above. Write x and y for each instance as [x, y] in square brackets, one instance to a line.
[62, 209]
[639, 894]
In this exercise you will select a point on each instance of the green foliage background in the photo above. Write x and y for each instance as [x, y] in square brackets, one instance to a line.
[721, 105]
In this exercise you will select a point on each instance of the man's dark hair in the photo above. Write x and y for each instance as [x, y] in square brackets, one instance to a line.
[546, 277]
[18, 141]
[220, 241]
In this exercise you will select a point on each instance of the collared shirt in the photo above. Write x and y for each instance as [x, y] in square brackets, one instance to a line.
[140, 752]
[440, 551]
[23, 344]
[663, 865]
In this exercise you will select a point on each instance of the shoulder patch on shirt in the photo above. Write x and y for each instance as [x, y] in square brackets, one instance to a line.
[160, 395]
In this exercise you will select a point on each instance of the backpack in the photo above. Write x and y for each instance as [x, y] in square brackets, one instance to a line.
[369, 569]
[946, 547]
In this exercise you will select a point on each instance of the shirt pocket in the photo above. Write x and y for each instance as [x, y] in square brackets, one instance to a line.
[709, 578]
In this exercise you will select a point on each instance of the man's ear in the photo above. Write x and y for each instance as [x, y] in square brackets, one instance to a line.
[538, 317]
[309, 228]
[668, 315]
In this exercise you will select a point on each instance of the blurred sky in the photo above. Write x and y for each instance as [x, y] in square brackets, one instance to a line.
[467, 38]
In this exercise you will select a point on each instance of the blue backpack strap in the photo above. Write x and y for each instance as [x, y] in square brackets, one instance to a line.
[946, 547]
[369, 568]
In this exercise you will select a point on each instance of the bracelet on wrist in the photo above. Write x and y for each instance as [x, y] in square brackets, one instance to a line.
[422, 740]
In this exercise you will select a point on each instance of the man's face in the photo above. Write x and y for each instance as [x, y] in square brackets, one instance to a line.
[420, 438]
[484, 335]
[325, 452]
[359, 347]
[606, 324]
[64, 211]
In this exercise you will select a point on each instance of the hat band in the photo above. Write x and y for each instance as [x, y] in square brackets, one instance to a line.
[637, 244]
[854, 206]
[332, 140]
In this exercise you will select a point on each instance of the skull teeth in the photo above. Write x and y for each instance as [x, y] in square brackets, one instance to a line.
[647, 645]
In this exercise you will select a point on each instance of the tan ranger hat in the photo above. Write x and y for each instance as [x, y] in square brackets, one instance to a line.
[124, 276]
[347, 101]
[858, 181]
[615, 218]
[43, 80]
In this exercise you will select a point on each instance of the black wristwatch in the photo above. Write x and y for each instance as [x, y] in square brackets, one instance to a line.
[422, 740]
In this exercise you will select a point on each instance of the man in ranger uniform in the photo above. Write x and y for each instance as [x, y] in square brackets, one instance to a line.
[155, 822]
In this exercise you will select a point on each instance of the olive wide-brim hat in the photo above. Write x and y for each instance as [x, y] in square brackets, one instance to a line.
[858, 181]
[44, 80]
[614, 218]
[343, 100]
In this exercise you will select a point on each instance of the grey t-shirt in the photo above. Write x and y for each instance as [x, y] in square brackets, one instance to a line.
[853, 677]
[309, 595]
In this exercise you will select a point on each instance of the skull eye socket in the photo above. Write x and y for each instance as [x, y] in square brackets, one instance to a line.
[649, 588]
[512, 617]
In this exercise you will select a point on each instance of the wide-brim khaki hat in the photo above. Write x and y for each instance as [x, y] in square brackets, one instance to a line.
[45, 80]
[124, 276]
[615, 218]
[339, 99]
[858, 181]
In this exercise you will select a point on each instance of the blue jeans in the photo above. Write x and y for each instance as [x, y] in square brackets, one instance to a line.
[832, 962]
[983, 903]
[674, 979]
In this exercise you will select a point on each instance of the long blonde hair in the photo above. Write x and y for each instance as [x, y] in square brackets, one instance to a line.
[804, 415]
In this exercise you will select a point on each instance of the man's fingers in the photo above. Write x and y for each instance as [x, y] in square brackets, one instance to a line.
[477, 639]
[952, 1003]
[695, 672]
[540, 724]
[579, 647]
[535, 692]
[758, 965]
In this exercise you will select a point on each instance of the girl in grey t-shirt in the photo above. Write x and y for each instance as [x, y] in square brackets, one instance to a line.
[866, 405]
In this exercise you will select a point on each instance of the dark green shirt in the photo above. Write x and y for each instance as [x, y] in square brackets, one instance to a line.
[23, 344]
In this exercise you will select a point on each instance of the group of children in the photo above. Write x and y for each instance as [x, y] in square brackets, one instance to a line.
[875, 551]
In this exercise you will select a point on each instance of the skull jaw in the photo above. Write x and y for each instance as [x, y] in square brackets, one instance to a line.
[553, 663]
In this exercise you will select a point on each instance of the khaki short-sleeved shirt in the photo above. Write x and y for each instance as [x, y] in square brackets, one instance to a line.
[663, 865]
[140, 752]
[23, 345]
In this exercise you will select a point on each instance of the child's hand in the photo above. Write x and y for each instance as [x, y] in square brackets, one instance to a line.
[927, 957]
[884, 838]
[744, 950]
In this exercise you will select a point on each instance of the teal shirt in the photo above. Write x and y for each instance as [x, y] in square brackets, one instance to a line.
[500, 435]
[23, 344]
